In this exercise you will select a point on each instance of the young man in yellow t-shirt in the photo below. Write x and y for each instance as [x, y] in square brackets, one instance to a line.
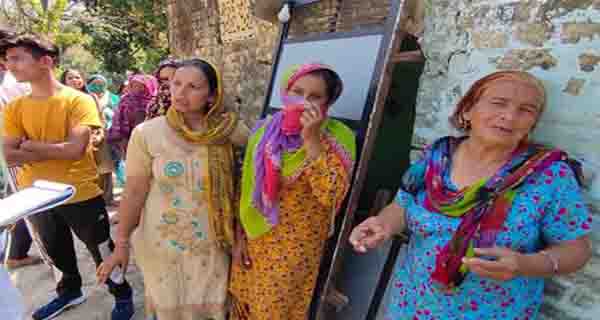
[17, 252]
[47, 133]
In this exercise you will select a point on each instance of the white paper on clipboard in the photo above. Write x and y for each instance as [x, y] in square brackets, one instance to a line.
[42, 196]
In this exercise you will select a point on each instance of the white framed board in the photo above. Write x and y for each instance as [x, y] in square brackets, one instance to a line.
[304, 2]
[353, 58]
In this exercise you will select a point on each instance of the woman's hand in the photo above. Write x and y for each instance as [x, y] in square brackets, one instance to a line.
[95, 96]
[122, 147]
[120, 257]
[311, 121]
[240, 254]
[240, 249]
[369, 234]
[504, 266]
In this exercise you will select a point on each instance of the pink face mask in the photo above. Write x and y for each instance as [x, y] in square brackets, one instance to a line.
[292, 112]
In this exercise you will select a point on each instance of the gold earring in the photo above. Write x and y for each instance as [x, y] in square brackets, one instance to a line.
[465, 124]
[468, 125]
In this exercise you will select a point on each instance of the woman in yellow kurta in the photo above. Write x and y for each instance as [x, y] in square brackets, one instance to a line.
[296, 173]
[179, 198]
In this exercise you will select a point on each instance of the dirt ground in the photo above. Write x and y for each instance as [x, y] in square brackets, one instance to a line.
[37, 286]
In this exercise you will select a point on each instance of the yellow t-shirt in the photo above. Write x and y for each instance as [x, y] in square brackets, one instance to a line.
[50, 120]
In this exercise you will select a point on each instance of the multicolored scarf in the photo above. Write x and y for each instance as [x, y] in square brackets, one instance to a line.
[161, 103]
[132, 108]
[482, 207]
[274, 156]
[219, 126]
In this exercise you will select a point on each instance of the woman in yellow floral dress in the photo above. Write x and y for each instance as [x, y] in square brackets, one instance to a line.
[179, 199]
[296, 173]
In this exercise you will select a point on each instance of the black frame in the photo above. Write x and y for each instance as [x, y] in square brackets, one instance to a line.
[366, 128]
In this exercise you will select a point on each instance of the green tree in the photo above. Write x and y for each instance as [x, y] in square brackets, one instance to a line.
[77, 57]
[48, 18]
[126, 34]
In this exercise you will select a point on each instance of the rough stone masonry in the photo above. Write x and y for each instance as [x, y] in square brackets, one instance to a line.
[557, 40]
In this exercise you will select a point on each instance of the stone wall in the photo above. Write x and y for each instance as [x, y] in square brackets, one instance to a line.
[226, 33]
[559, 41]
[245, 61]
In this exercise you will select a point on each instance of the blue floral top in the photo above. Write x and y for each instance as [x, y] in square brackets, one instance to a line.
[548, 209]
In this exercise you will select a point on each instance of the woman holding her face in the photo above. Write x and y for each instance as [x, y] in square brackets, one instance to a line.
[179, 204]
[491, 214]
[296, 173]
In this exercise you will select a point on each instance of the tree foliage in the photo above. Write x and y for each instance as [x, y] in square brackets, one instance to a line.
[111, 36]
[49, 18]
[126, 34]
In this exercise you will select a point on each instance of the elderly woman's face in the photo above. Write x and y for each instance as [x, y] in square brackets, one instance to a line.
[506, 113]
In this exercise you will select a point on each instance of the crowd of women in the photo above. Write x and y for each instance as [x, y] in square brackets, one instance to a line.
[189, 216]
[141, 97]
[490, 213]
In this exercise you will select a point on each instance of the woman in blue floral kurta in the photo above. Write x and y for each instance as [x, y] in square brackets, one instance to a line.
[490, 214]
[548, 209]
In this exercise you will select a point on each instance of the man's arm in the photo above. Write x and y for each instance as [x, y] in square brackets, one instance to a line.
[72, 149]
[14, 155]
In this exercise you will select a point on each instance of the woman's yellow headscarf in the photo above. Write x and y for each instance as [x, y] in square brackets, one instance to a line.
[219, 125]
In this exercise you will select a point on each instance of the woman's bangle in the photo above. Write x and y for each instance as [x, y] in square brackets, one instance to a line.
[121, 243]
[553, 259]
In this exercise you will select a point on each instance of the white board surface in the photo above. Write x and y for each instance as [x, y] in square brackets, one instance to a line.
[353, 58]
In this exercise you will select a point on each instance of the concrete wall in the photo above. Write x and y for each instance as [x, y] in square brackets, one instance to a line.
[558, 41]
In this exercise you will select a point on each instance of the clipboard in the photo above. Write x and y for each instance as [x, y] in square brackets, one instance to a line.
[41, 196]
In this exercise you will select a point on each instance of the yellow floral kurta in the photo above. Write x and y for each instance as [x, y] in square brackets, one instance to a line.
[285, 262]
[185, 272]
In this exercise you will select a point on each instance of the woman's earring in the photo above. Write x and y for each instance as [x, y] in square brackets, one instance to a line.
[467, 125]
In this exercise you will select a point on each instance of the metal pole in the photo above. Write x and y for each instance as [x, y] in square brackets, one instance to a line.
[283, 34]
[374, 118]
